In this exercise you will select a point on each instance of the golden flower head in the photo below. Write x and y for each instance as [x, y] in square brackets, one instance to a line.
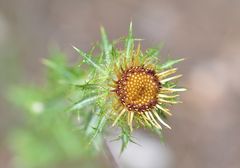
[140, 91]
[132, 87]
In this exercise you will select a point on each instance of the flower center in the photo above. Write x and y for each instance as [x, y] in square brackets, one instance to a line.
[138, 89]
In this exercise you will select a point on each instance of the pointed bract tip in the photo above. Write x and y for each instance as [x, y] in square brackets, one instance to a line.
[75, 48]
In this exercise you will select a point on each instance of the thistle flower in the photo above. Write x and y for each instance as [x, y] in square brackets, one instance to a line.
[129, 88]
[139, 91]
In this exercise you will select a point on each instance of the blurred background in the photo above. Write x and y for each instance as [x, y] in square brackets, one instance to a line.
[205, 32]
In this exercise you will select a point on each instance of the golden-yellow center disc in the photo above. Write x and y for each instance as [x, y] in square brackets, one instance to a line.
[138, 88]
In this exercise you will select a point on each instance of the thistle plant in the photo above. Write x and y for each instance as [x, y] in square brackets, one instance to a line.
[116, 84]
[130, 88]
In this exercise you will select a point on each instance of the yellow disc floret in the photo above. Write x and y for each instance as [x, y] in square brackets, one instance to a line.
[138, 88]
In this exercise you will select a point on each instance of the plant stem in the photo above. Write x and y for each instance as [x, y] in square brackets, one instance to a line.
[108, 154]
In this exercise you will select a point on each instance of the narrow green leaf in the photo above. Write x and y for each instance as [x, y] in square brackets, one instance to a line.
[170, 63]
[101, 121]
[85, 55]
[125, 140]
[84, 102]
[129, 41]
[125, 137]
[152, 52]
[57, 68]
[87, 86]
[106, 45]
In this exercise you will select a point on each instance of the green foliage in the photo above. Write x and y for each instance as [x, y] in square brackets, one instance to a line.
[129, 44]
[106, 46]
[170, 63]
[50, 134]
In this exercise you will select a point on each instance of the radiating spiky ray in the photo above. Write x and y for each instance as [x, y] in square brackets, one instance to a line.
[170, 78]
[165, 110]
[161, 120]
[118, 117]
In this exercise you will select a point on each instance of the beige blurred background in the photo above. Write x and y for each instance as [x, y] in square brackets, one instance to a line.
[206, 32]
